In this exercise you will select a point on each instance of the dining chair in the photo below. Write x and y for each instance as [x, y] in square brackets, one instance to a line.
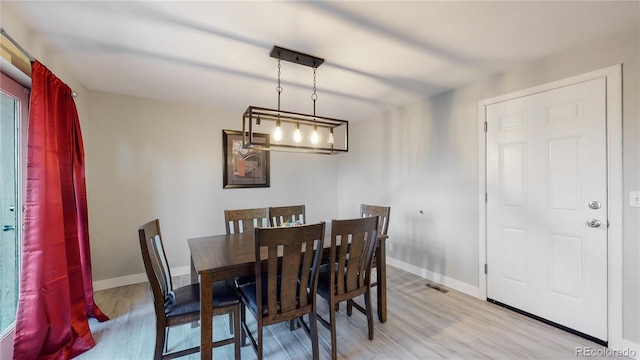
[383, 224]
[239, 221]
[348, 273]
[381, 211]
[243, 220]
[282, 214]
[178, 306]
[286, 280]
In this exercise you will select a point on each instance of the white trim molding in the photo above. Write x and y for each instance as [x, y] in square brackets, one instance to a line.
[633, 349]
[613, 76]
[435, 277]
[134, 279]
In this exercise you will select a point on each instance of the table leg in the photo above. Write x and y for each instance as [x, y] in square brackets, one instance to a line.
[381, 274]
[206, 315]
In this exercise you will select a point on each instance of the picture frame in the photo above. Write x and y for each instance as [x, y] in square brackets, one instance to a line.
[244, 168]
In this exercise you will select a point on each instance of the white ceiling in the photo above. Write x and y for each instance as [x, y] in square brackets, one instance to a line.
[378, 55]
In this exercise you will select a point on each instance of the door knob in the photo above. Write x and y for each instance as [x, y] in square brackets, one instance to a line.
[594, 223]
[594, 205]
[7, 228]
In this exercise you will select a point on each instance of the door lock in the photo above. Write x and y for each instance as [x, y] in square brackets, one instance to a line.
[594, 223]
[595, 205]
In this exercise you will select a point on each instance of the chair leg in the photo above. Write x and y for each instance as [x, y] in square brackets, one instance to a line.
[161, 341]
[243, 317]
[259, 349]
[349, 307]
[367, 304]
[313, 325]
[231, 321]
[332, 322]
[237, 330]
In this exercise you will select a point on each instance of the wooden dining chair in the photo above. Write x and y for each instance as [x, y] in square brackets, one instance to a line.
[241, 220]
[286, 280]
[348, 273]
[281, 214]
[375, 210]
[383, 226]
[178, 306]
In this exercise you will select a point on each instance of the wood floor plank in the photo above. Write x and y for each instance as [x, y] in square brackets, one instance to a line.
[423, 323]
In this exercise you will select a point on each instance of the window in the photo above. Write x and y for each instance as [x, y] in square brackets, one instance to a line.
[14, 100]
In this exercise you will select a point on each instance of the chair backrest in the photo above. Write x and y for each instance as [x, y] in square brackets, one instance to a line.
[280, 215]
[155, 263]
[292, 259]
[381, 211]
[353, 243]
[239, 221]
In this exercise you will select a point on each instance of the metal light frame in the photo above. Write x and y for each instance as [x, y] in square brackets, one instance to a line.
[255, 115]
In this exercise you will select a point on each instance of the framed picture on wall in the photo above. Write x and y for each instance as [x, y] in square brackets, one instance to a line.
[244, 168]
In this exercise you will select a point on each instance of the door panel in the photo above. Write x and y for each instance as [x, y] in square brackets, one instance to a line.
[546, 161]
[13, 118]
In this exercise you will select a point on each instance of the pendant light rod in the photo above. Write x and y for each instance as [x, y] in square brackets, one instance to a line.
[296, 57]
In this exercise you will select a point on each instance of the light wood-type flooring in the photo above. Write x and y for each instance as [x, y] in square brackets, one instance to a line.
[423, 323]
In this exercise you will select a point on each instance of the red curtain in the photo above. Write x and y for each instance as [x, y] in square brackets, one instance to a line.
[56, 291]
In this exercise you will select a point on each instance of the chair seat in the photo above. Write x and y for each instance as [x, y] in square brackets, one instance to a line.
[249, 293]
[186, 299]
[242, 280]
[324, 273]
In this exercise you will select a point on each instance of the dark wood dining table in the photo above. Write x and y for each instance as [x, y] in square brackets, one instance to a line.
[222, 257]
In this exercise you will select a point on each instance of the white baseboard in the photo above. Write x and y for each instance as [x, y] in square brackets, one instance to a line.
[436, 278]
[632, 348]
[134, 279]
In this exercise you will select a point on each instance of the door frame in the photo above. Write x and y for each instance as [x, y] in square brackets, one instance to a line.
[15, 87]
[613, 77]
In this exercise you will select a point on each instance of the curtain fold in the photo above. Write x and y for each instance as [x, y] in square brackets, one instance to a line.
[56, 291]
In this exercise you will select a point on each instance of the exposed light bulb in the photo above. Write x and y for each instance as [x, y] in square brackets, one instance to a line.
[330, 138]
[277, 133]
[315, 138]
[297, 136]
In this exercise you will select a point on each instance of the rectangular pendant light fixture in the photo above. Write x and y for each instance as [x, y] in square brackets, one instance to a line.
[291, 131]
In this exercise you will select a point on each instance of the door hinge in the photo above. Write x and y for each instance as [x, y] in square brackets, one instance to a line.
[486, 197]
[486, 126]
[486, 269]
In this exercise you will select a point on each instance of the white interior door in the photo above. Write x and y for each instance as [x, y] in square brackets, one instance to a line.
[547, 205]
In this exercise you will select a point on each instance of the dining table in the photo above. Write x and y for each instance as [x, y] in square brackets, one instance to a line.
[227, 256]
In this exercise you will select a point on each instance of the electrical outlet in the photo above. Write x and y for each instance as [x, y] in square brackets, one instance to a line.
[634, 198]
[390, 246]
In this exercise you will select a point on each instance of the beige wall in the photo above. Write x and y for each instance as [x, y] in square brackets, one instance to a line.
[426, 158]
[148, 159]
